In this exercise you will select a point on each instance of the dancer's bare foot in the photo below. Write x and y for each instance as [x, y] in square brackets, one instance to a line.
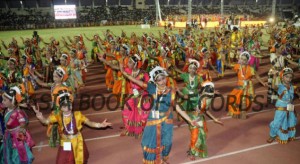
[271, 139]
[192, 158]
[123, 134]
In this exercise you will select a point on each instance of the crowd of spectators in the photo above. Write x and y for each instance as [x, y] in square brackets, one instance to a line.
[111, 15]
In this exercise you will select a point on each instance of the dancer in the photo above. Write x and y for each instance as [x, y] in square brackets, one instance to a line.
[283, 127]
[134, 113]
[198, 147]
[158, 133]
[59, 77]
[72, 147]
[17, 141]
[243, 94]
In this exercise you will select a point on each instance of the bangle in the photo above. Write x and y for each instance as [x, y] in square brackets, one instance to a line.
[145, 85]
[46, 122]
[98, 125]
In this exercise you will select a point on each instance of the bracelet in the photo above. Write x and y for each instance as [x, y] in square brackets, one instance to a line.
[144, 85]
[46, 122]
[98, 125]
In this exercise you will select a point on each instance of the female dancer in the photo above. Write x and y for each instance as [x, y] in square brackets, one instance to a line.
[244, 92]
[59, 77]
[283, 127]
[134, 115]
[17, 141]
[158, 133]
[95, 48]
[29, 82]
[72, 147]
[76, 67]
[192, 82]
[198, 147]
[120, 86]
[11, 73]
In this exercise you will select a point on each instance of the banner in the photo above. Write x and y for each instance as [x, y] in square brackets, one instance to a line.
[65, 11]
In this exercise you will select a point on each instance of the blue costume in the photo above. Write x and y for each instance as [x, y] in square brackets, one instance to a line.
[283, 125]
[158, 133]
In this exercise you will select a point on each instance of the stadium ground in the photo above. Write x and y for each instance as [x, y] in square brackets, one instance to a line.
[239, 141]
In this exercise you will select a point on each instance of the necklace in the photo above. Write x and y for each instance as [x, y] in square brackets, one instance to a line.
[191, 81]
[161, 90]
[67, 115]
[71, 131]
[243, 74]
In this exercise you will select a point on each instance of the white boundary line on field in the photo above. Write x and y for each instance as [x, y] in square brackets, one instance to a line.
[235, 152]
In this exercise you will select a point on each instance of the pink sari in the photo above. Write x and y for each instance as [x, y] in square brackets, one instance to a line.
[254, 62]
[135, 112]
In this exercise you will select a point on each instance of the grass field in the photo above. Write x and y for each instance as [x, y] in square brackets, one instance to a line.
[7, 36]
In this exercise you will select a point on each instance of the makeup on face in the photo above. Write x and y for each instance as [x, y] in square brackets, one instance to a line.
[287, 78]
[6, 102]
[161, 80]
[243, 60]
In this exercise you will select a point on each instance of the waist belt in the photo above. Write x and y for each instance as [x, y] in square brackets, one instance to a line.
[281, 108]
[69, 136]
[159, 121]
[13, 129]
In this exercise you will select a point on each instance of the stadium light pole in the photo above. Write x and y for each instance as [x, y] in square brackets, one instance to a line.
[22, 6]
[273, 9]
[222, 8]
[158, 13]
[37, 4]
[190, 11]
[6, 4]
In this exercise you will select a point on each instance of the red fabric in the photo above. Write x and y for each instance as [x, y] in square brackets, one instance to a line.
[67, 157]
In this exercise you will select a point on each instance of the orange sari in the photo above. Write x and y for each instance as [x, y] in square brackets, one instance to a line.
[109, 78]
[236, 99]
[120, 86]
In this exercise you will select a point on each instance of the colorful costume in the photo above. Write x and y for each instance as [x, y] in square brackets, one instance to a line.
[278, 63]
[283, 127]
[53, 131]
[70, 128]
[243, 92]
[136, 108]
[76, 72]
[254, 48]
[16, 144]
[198, 147]
[158, 133]
[191, 89]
